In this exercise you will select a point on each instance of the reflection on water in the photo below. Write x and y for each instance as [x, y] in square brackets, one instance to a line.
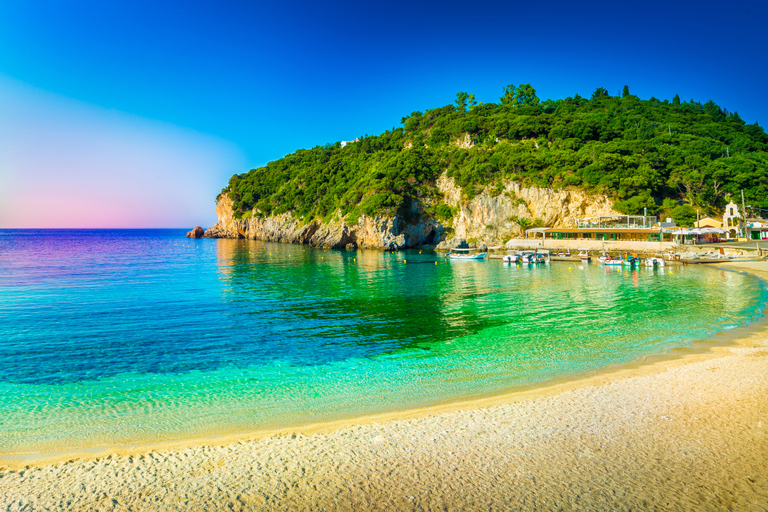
[132, 337]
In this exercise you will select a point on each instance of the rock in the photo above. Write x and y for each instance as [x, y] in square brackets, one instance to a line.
[379, 232]
[482, 247]
[490, 218]
[198, 232]
[452, 243]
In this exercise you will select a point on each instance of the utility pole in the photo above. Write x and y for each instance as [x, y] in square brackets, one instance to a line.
[744, 213]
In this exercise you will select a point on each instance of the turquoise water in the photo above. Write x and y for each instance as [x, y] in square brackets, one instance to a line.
[131, 336]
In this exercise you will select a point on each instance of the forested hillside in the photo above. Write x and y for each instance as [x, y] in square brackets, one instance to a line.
[671, 157]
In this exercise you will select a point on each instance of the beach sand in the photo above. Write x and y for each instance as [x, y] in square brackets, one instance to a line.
[689, 433]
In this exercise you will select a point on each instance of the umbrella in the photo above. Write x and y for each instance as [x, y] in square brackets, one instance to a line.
[678, 231]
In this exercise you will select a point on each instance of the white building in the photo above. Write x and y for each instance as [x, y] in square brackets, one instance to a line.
[345, 142]
[732, 220]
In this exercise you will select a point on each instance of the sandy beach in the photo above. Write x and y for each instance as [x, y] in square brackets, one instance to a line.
[684, 433]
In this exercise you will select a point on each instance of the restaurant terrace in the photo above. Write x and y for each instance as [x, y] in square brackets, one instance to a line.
[602, 233]
[618, 222]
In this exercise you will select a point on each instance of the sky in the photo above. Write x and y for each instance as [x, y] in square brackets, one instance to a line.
[136, 114]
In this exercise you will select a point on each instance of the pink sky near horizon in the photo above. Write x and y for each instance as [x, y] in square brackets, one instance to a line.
[68, 164]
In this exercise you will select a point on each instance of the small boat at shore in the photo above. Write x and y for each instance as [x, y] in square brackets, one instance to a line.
[514, 257]
[464, 254]
[543, 256]
[654, 262]
[607, 259]
[632, 261]
[584, 256]
[528, 257]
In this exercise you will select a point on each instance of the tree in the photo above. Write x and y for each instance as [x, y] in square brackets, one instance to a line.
[676, 99]
[412, 122]
[601, 92]
[509, 95]
[472, 101]
[524, 223]
[684, 215]
[625, 92]
[526, 95]
[461, 101]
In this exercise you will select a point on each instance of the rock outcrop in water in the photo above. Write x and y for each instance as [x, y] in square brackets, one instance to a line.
[490, 218]
[198, 232]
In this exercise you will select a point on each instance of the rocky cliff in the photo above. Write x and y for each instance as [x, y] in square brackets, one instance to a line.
[380, 232]
[494, 216]
[491, 217]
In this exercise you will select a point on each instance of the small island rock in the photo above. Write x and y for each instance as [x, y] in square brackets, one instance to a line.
[198, 232]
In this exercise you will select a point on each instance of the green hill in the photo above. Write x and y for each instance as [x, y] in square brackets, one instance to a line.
[671, 157]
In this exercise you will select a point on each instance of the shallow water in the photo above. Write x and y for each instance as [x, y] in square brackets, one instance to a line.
[128, 336]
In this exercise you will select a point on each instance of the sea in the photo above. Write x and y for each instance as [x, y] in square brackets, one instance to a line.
[112, 337]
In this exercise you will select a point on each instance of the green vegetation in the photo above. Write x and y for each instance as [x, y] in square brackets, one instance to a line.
[671, 157]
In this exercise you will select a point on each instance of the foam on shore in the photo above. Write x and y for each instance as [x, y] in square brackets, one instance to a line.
[685, 433]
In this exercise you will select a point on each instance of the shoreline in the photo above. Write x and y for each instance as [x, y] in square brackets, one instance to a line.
[648, 362]
[732, 372]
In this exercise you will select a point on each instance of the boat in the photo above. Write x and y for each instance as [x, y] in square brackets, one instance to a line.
[607, 259]
[632, 261]
[542, 256]
[512, 258]
[584, 256]
[654, 261]
[528, 257]
[464, 254]
[564, 254]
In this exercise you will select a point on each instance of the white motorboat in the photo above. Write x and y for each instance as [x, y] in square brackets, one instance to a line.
[654, 261]
[466, 254]
[528, 257]
[607, 259]
[515, 257]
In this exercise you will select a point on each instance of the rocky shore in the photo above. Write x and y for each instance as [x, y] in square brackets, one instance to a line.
[491, 217]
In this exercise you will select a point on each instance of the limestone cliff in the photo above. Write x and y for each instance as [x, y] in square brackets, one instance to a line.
[380, 232]
[496, 216]
[492, 217]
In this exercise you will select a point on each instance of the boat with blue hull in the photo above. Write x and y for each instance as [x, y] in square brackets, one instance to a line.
[466, 254]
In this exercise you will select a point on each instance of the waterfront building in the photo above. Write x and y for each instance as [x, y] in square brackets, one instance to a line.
[708, 222]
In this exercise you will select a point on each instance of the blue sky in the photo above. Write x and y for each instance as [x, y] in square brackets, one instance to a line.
[157, 104]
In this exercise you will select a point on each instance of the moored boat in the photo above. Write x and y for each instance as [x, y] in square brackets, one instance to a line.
[584, 256]
[607, 259]
[542, 256]
[632, 261]
[654, 261]
[512, 258]
[465, 254]
[528, 257]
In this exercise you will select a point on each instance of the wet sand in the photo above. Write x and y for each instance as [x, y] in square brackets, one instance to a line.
[683, 434]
